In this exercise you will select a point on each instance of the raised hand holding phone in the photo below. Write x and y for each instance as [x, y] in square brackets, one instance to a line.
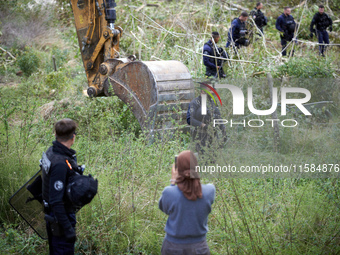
[174, 172]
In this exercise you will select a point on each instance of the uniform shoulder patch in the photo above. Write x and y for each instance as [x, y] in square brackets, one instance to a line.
[45, 163]
[58, 185]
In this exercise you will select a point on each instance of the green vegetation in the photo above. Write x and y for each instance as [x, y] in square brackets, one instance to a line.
[249, 216]
[28, 62]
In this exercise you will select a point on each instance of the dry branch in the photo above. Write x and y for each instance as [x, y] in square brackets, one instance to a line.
[140, 41]
[191, 13]
[146, 5]
[258, 73]
[274, 115]
[240, 7]
[228, 8]
[235, 60]
[299, 5]
[8, 53]
[329, 9]
[140, 8]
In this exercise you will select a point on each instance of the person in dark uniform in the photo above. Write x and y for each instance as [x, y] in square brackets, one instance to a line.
[322, 21]
[258, 17]
[213, 66]
[237, 32]
[200, 133]
[58, 164]
[285, 23]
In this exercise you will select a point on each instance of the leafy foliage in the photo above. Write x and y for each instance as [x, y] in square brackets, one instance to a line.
[28, 62]
[306, 67]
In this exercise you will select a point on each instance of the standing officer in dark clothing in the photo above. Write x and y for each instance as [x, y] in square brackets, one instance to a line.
[258, 17]
[213, 66]
[286, 25]
[322, 21]
[237, 32]
[200, 122]
[58, 164]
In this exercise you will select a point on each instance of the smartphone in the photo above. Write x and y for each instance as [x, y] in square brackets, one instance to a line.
[196, 155]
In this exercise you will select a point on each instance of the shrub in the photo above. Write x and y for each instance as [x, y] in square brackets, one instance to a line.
[28, 62]
[306, 67]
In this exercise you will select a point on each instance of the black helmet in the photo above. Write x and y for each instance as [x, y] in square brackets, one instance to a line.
[81, 189]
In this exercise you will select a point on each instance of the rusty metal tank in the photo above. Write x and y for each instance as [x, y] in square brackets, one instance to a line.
[157, 92]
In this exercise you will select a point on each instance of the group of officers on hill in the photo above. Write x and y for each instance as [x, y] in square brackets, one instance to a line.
[285, 24]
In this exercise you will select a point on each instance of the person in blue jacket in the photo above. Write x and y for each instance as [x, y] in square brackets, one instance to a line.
[237, 32]
[187, 205]
[213, 65]
[286, 25]
[322, 21]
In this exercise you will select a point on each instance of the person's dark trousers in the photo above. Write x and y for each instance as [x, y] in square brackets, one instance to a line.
[209, 73]
[284, 45]
[170, 248]
[323, 38]
[58, 244]
[199, 137]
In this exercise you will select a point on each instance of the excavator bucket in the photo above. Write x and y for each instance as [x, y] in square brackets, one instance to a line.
[157, 92]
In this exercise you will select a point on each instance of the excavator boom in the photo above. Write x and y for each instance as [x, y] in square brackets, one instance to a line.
[157, 92]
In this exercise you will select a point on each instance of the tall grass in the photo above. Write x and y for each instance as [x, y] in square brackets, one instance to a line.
[261, 216]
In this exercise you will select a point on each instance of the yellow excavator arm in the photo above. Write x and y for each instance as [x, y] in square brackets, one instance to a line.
[157, 92]
[98, 39]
